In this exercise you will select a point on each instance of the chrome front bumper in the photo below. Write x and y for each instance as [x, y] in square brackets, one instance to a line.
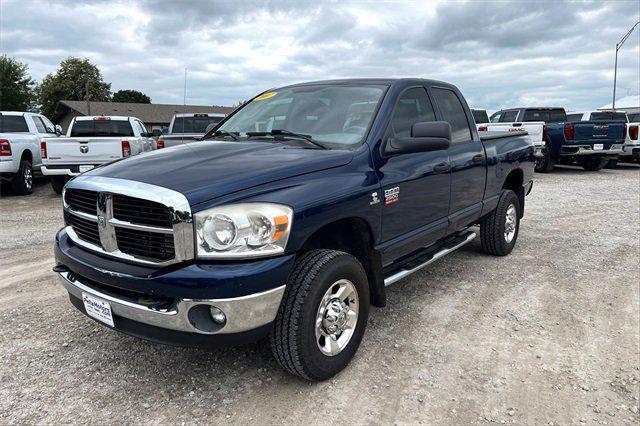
[569, 150]
[243, 313]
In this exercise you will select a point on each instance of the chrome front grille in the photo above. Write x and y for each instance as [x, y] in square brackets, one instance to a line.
[134, 221]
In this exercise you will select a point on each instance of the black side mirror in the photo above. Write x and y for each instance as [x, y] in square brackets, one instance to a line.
[426, 136]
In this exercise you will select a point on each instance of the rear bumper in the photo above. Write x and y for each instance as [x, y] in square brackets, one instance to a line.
[571, 150]
[64, 169]
[9, 166]
[631, 150]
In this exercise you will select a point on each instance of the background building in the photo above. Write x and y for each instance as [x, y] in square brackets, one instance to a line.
[154, 116]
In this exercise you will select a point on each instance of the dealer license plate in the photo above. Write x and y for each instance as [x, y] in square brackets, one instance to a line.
[85, 168]
[97, 308]
[598, 147]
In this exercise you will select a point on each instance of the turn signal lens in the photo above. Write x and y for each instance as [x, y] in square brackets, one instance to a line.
[126, 149]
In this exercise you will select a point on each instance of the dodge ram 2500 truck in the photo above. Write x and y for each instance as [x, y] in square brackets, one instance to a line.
[92, 141]
[20, 136]
[590, 144]
[309, 201]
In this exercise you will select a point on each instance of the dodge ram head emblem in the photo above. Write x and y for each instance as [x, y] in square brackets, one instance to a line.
[84, 149]
[102, 222]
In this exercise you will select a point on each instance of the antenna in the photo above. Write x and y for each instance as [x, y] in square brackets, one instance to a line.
[184, 103]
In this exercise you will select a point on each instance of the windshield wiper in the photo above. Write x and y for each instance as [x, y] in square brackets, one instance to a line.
[232, 135]
[283, 132]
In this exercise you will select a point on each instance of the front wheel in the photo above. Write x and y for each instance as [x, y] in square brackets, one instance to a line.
[322, 316]
[594, 164]
[499, 230]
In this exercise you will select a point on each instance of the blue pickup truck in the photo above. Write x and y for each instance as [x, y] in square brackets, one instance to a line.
[590, 144]
[291, 218]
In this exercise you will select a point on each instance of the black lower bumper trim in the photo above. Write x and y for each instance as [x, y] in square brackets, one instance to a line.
[179, 338]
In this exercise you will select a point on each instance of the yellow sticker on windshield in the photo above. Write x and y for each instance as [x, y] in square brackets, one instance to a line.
[266, 96]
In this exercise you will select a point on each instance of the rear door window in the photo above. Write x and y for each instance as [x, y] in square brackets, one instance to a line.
[195, 124]
[453, 112]
[508, 116]
[13, 124]
[39, 124]
[413, 107]
[608, 116]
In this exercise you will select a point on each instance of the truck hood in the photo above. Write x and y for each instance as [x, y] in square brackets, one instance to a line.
[206, 170]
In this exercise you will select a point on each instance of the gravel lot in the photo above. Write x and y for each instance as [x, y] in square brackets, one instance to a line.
[549, 334]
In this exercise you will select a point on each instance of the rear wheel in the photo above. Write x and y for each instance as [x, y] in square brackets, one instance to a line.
[58, 182]
[499, 230]
[544, 163]
[611, 164]
[322, 316]
[23, 181]
[593, 164]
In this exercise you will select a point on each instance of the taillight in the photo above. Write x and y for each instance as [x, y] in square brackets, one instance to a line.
[43, 148]
[101, 118]
[633, 133]
[483, 128]
[160, 143]
[5, 148]
[624, 133]
[126, 149]
[568, 132]
[544, 133]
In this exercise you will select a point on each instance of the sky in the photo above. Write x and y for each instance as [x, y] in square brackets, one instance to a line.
[500, 54]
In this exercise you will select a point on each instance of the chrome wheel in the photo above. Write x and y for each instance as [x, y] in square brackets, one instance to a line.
[337, 317]
[510, 223]
[28, 178]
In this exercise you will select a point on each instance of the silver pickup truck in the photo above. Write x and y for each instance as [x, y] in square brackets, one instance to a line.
[188, 127]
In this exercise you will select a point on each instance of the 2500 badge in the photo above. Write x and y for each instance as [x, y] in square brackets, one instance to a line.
[391, 195]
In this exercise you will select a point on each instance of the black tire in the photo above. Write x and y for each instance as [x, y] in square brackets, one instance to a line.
[58, 182]
[492, 227]
[593, 164]
[22, 182]
[293, 337]
[611, 164]
[545, 164]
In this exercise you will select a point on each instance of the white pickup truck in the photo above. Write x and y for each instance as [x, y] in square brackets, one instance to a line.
[20, 136]
[535, 131]
[631, 147]
[188, 127]
[90, 142]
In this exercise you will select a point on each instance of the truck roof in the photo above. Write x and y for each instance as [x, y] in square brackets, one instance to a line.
[199, 114]
[538, 108]
[380, 81]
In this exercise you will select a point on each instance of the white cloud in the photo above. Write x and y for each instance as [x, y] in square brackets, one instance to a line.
[499, 54]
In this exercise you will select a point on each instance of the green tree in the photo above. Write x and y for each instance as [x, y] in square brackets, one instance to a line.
[17, 89]
[70, 83]
[133, 96]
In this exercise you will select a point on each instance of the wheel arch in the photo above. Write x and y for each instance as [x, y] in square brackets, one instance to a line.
[515, 182]
[355, 236]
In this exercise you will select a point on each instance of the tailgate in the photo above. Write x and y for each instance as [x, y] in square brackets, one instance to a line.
[597, 131]
[83, 150]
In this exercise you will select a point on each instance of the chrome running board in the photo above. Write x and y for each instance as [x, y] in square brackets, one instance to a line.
[402, 273]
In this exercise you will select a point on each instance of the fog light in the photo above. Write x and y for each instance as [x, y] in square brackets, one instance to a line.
[217, 315]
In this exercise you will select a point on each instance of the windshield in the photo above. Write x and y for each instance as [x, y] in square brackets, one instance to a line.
[91, 128]
[609, 116]
[195, 124]
[334, 114]
[546, 115]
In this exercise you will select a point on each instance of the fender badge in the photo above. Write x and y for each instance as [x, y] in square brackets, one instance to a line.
[391, 195]
[374, 198]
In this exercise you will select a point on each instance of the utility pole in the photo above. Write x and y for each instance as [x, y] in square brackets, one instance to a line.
[615, 70]
[86, 96]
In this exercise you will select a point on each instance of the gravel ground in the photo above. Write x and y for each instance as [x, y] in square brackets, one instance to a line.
[547, 335]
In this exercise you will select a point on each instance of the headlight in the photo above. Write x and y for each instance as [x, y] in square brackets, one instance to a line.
[243, 230]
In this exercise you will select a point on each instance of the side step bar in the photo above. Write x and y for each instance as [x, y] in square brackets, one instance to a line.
[402, 273]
